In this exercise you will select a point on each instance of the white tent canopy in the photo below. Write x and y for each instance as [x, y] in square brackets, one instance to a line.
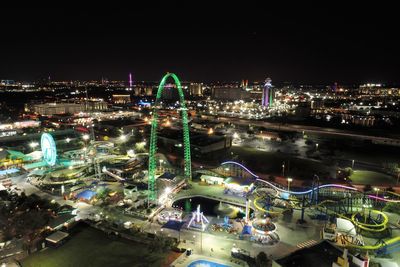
[345, 227]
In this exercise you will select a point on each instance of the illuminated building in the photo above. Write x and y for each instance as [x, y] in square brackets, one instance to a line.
[71, 108]
[195, 89]
[121, 99]
[130, 81]
[148, 91]
[229, 93]
[268, 94]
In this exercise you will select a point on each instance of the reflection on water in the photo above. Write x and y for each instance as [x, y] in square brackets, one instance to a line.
[205, 263]
[211, 207]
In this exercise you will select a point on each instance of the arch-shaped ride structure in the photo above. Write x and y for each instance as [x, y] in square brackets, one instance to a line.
[153, 137]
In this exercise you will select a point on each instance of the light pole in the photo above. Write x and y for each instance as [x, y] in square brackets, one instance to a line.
[352, 164]
[33, 145]
[122, 137]
[85, 150]
[161, 161]
[398, 177]
[376, 189]
[85, 137]
[283, 169]
[201, 241]
[289, 180]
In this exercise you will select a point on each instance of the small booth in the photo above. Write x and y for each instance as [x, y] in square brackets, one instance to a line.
[238, 186]
[212, 180]
[56, 238]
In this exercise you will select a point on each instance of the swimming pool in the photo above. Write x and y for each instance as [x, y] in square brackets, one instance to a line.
[205, 263]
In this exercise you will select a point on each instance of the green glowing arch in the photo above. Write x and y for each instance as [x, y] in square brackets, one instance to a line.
[153, 137]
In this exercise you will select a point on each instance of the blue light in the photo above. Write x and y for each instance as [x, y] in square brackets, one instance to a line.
[144, 103]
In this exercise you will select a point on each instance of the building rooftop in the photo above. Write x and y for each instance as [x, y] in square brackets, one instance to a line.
[56, 237]
[322, 254]
[60, 220]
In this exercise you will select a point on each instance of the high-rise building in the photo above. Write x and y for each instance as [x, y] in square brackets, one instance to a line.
[229, 93]
[121, 99]
[196, 89]
[149, 91]
[244, 84]
[268, 93]
[130, 81]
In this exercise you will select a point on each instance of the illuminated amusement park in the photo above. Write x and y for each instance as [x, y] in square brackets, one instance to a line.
[150, 183]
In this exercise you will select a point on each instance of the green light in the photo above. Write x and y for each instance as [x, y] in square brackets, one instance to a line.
[153, 136]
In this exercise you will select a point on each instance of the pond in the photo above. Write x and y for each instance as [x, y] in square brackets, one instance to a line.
[211, 207]
[206, 263]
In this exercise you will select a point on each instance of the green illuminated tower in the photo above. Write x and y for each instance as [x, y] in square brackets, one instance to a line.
[153, 137]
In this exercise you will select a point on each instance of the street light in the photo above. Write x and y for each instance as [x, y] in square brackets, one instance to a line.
[33, 145]
[398, 177]
[85, 150]
[122, 138]
[130, 153]
[289, 180]
[161, 162]
[68, 140]
[376, 189]
[316, 145]
[283, 169]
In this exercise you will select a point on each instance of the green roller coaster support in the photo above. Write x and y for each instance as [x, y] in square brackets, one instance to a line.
[153, 137]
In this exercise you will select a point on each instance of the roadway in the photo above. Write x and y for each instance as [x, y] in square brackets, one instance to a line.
[301, 128]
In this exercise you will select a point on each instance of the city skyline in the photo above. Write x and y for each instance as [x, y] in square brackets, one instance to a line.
[188, 134]
[303, 43]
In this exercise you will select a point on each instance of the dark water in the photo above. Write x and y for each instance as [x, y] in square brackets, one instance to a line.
[210, 207]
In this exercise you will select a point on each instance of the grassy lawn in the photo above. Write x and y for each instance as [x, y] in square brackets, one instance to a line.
[91, 247]
[271, 163]
[372, 178]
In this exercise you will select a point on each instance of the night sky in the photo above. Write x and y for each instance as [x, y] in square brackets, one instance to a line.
[311, 43]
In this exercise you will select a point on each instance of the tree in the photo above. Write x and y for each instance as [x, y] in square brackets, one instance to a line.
[392, 167]
[188, 206]
[367, 188]
[349, 171]
[392, 207]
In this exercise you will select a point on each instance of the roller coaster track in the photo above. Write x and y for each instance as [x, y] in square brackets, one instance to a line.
[364, 226]
[376, 246]
[257, 206]
[313, 189]
[328, 186]
[367, 227]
